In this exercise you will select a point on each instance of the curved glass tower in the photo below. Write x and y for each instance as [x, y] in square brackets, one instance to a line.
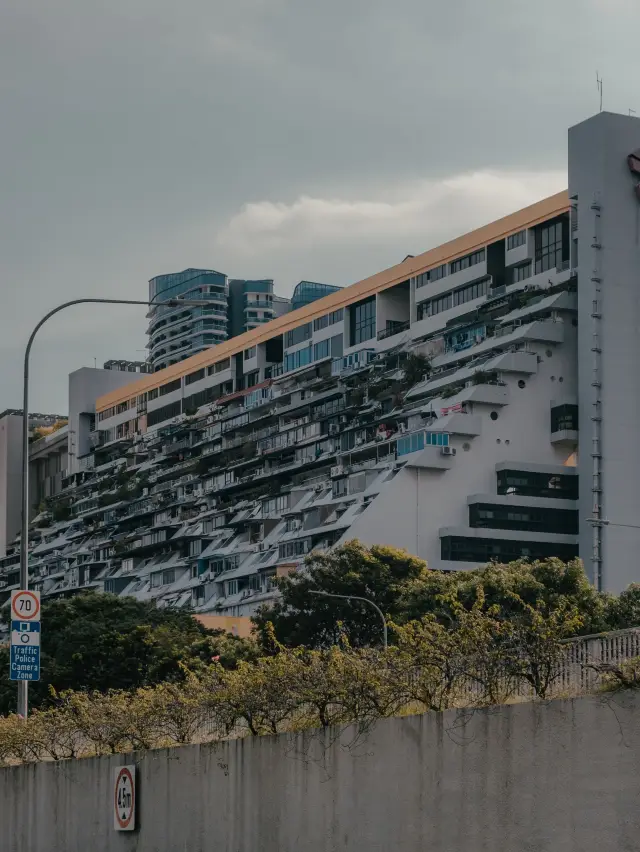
[177, 333]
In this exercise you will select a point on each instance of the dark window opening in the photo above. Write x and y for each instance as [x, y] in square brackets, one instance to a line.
[363, 321]
[564, 417]
[531, 519]
[482, 550]
[528, 484]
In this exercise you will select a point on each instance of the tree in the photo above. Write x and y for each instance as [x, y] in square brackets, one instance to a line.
[543, 584]
[416, 367]
[102, 642]
[384, 575]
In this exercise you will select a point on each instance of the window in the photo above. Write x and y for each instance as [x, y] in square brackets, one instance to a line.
[298, 335]
[252, 378]
[294, 548]
[194, 377]
[169, 387]
[471, 292]
[432, 275]
[275, 505]
[549, 251]
[419, 440]
[322, 350]
[521, 273]
[195, 547]
[481, 550]
[435, 306]
[156, 580]
[336, 316]
[516, 240]
[219, 366]
[467, 261]
[295, 360]
[337, 346]
[249, 353]
[564, 417]
[528, 484]
[363, 321]
[232, 587]
[321, 322]
[531, 519]
[168, 576]
[153, 394]
[166, 412]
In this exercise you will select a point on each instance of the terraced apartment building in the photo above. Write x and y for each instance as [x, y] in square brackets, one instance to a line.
[475, 402]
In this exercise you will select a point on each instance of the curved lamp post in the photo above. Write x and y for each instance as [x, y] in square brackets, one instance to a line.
[23, 687]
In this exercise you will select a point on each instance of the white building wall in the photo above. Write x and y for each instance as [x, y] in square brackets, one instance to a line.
[609, 249]
[413, 507]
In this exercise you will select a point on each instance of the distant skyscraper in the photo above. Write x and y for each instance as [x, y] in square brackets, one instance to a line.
[177, 333]
[308, 291]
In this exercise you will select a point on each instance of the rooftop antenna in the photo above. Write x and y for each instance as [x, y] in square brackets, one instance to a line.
[599, 87]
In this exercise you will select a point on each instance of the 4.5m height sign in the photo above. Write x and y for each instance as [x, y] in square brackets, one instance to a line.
[25, 635]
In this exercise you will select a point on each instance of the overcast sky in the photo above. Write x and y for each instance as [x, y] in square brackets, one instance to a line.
[286, 139]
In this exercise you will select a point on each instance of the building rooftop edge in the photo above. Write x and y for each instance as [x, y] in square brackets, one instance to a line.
[527, 217]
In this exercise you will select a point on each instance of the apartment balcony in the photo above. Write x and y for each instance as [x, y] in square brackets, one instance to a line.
[251, 304]
[392, 329]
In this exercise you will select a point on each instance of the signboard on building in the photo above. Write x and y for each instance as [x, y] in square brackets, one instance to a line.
[124, 798]
[25, 636]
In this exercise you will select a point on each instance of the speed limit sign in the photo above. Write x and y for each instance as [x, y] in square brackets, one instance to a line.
[124, 798]
[25, 605]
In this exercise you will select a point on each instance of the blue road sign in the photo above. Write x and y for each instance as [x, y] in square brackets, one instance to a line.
[25, 650]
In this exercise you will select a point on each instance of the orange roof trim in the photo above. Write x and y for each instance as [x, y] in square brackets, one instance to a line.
[528, 217]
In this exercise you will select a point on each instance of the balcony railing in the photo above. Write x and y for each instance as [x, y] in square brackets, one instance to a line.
[393, 328]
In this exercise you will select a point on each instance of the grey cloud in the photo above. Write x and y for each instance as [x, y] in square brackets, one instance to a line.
[136, 132]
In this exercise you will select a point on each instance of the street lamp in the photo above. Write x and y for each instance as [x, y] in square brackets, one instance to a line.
[358, 598]
[23, 686]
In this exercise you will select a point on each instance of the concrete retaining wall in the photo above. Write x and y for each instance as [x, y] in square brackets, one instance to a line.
[562, 777]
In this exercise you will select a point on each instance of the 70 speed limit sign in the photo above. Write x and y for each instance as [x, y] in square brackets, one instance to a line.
[124, 798]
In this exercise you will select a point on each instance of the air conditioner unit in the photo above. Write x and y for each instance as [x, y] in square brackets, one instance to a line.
[337, 470]
[343, 419]
[360, 442]
[448, 451]
[334, 429]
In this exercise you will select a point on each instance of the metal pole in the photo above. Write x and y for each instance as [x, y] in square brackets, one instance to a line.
[358, 598]
[23, 687]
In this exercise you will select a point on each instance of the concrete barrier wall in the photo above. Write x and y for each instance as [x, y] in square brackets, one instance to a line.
[562, 777]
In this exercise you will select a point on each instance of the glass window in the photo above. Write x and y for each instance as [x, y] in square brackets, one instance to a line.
[471, 292]
[321, 322]
[432, 275]
[169, 387]
[482, 550]
[516, 240]
[322, 349]
[521, 273]
[467, 261]
[564, 417]
[336, 316]
[249, 353]
[298, 335]
[194, 377]
[529, 484]
[363, 321]
[549, 247]
[530, 519]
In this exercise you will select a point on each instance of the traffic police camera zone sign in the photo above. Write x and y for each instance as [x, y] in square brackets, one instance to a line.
[25, 635]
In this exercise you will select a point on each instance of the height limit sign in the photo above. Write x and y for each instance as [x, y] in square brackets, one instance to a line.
[124, 798]
[25, 635]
